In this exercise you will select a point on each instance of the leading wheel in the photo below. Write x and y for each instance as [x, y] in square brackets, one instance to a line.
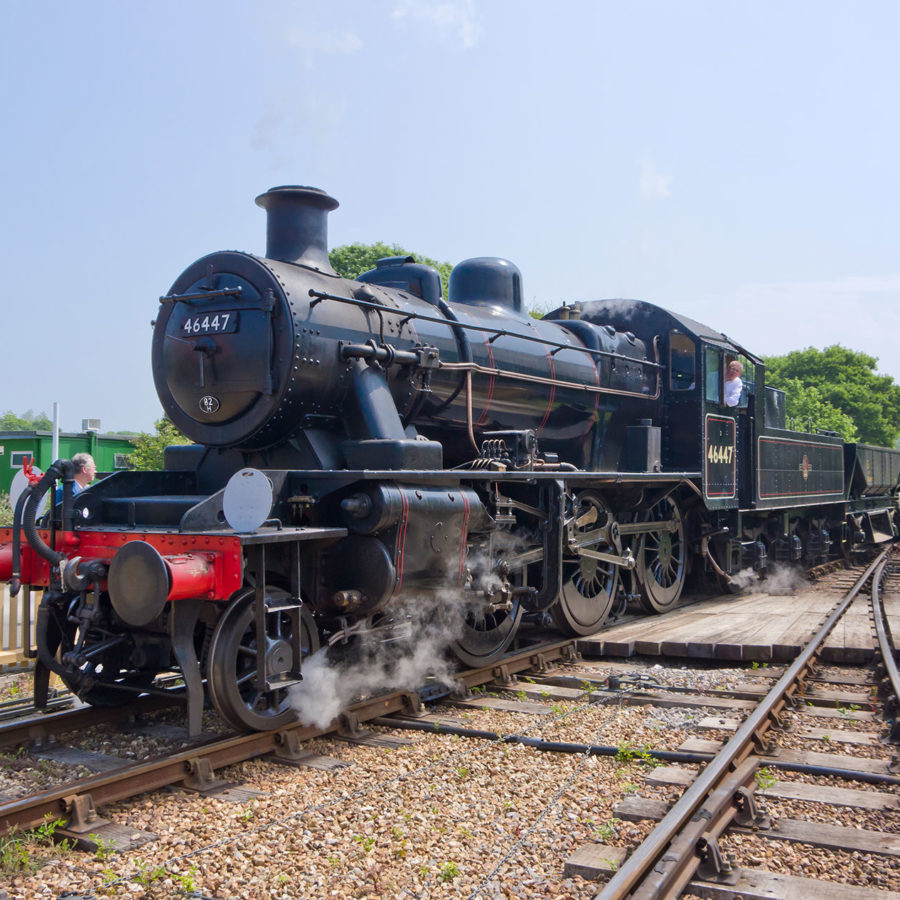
[232, 678]
[589, 585]
[662, 559]
[104, 675]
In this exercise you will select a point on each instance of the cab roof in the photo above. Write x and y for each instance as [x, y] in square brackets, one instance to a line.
[644, 319]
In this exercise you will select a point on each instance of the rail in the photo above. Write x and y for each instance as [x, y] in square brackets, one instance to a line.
[662, 865]
[198, 763]
[886, 650]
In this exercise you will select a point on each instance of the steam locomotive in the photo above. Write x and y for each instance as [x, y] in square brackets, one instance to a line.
[363, 448]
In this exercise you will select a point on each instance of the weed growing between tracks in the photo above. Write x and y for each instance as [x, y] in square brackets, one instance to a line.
[27, 851]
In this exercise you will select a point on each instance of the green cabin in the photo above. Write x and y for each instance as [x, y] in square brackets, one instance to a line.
[110, 451]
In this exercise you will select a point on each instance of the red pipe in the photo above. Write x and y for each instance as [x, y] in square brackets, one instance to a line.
[6, 562]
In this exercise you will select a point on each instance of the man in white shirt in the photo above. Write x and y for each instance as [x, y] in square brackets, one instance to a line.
[733, 383]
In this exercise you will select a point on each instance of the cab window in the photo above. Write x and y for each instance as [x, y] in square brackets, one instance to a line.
[748, 376]
[682, 375]
[713, 375]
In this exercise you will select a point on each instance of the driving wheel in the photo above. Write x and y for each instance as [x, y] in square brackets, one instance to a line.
[662, 559]
[589, 585]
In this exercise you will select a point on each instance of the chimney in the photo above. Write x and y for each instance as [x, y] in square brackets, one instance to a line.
[297, 225]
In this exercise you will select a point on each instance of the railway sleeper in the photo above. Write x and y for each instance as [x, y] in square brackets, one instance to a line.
[86, 830]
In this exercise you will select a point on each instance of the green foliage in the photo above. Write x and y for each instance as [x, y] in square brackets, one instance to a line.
[17, 849]
[147, 876]
[351, 260]
[149, 449]
[6, 511]
[449, 871]
[808, 410]
[28, 421]
[627, 752]
[105, 848]
[844, 380]
[187, 882]
[14, 855]
[764, 778]
[367, 842]
[608, 830]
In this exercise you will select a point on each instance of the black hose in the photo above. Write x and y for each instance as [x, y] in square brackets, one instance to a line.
[604, 750]
[46, 655]
[538, 743]
[64, 469]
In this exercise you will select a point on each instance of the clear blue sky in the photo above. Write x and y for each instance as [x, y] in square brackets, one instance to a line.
[737, 162]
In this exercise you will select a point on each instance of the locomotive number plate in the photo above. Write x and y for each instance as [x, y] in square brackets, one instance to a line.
[211, 323]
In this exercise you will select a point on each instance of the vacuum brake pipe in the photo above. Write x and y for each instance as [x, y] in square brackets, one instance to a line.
[64, 469]
[606, 750]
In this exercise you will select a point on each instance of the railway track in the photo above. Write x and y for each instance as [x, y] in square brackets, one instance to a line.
[195, 767]
[684, 847]
[545, 678]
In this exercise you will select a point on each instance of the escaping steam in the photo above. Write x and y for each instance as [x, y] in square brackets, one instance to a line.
[402, 655]
[777, 581]
[406, 648]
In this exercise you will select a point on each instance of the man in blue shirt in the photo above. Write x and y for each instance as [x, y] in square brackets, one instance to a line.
[85, 472]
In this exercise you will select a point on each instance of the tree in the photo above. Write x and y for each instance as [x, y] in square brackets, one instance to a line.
[351, 260]
[149, 449]
[844, 380]
[807, 410]
[28, 421]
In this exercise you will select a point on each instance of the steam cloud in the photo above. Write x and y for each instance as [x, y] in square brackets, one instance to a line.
[779, 580]
[382, 661]
[426, 624]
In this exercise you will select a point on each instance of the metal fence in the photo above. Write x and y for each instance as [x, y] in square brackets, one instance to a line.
[16, 626]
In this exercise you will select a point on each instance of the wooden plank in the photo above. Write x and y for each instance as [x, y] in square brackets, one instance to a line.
[712, 723]
[699, 745]
[516, 706]
[96, 762]
[832, 796]
[839, 736]
[607, 648]
[637, 809]
[758, 884]
[861, 678]
[654, 698]
[815, 697]
[816, 693]
[634, 809]
[596, 862]
[833, 761]
[844, 714]
[831, 837]
[670, 775]
[854, 642]
[646, 647]
[547, 692]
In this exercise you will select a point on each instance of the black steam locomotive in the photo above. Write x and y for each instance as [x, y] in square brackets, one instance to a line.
[363, 448]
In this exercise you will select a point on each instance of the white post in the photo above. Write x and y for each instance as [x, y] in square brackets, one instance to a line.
[55, 444]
